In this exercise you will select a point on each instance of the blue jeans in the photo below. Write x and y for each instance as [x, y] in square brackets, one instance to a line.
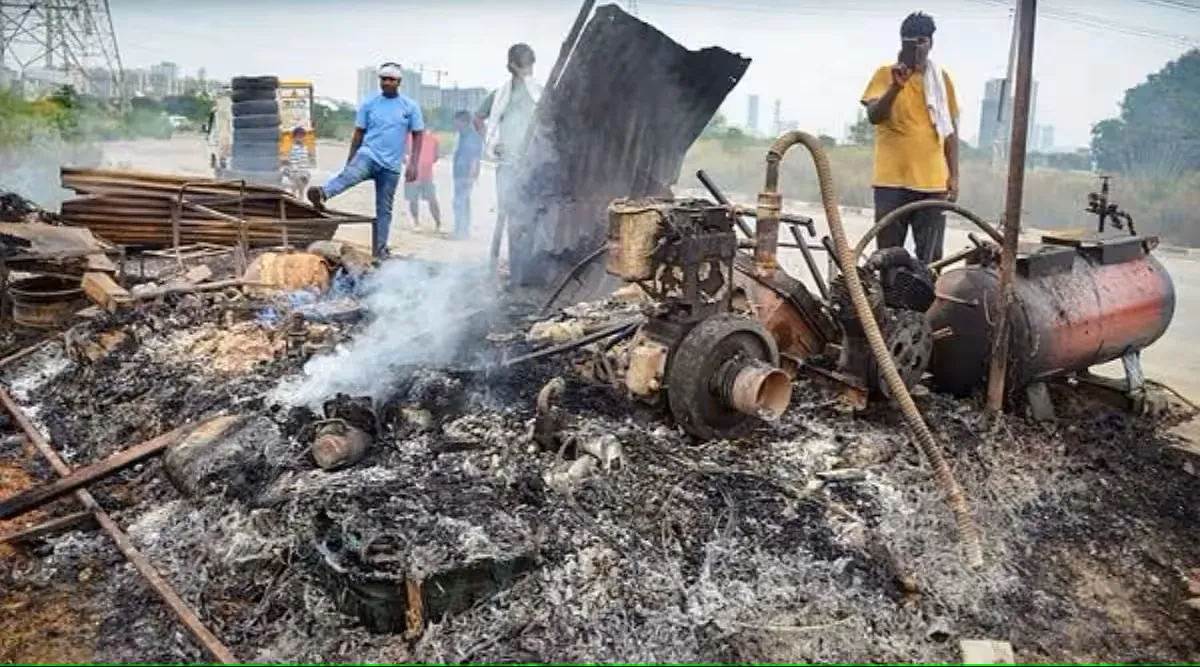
[358, 169]
[462, 206]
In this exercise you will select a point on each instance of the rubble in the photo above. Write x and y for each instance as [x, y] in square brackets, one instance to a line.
[466, 532]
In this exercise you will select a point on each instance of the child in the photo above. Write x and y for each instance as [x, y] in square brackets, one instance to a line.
[466, 171]
[423, 187]
[296, 170]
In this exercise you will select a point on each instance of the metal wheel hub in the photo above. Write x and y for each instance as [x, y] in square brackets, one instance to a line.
[699, 365]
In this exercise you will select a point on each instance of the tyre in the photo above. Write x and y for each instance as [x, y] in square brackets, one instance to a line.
[250, 122]
[255, 108]
[241, 82]
[255, 134]
[249, 94]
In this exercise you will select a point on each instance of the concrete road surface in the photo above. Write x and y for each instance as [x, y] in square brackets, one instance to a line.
[1170, 360]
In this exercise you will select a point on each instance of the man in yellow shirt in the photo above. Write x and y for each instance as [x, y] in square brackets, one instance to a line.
[914, 109]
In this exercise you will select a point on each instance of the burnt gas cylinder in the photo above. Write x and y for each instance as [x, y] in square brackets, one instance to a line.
[1077, 302]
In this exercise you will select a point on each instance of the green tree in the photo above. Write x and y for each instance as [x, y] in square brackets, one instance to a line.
[828, 141]
[862, 132]
[333, 122]
[1158, 130]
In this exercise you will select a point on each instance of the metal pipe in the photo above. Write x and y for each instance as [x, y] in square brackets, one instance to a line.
[812, 263]
[912, 207]
[968, 529]
[713, 190]
[180, 608]
[770, 205]
[1012, 204]
[758, 389]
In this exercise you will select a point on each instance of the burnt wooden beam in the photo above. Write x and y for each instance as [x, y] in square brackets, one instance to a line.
[36, 497]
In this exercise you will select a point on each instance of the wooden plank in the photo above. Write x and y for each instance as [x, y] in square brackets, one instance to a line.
[104, 291]
[34, 498]
[182, 611]
[986, 652]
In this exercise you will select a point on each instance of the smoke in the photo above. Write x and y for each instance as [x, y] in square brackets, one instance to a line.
[421, 315]
[32, 168]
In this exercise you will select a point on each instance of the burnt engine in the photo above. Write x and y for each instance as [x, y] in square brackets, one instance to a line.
[716, 370]
[900, 289]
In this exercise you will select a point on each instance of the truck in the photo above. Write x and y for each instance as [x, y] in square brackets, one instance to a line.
[251, 126]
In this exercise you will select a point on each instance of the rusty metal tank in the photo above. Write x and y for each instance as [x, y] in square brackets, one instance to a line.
[1080, 300]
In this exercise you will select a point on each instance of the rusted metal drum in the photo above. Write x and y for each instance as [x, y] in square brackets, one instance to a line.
[1075, 306]
[45, 302]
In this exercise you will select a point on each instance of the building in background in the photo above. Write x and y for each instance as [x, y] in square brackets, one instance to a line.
[411, 84]
[1045, 142]
[463, 99]
[368, 84]
[752, 114]
[164, 79]
[994, 128]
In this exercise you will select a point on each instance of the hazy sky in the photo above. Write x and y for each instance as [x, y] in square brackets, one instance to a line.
[813, 55]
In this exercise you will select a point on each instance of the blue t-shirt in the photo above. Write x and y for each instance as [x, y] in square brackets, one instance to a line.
[467, 153]
[388, 121]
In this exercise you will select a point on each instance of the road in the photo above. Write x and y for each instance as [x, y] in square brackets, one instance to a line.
[1170, 360]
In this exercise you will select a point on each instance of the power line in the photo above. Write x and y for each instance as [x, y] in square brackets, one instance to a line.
[1091, 21]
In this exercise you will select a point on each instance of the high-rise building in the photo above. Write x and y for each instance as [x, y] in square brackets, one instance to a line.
[1046, 138]
[164, 79]
[411, 85]
[368, 84]
[994, 125]
[463, 99]
[752, 114]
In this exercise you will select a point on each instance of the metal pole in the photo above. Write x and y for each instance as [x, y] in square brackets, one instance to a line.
[1012, 204]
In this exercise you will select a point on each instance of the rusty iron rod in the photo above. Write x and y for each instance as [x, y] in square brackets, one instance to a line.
[180, 608]
[69, 522]
[1026, 14]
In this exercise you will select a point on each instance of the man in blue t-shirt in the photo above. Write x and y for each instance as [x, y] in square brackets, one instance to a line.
[466, 171]
[377, 150]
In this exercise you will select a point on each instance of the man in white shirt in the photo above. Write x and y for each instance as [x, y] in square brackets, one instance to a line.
[503, 120]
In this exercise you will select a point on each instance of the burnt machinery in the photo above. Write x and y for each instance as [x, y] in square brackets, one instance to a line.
[1081, 298]
[717, 369]
[724, 338]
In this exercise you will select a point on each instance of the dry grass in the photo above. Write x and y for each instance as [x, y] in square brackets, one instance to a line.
[1053, 198]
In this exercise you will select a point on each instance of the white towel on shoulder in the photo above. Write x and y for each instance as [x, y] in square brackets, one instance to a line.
[937, 101]
[500, 99]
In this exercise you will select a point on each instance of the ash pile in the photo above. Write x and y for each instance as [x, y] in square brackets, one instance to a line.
[397, 491]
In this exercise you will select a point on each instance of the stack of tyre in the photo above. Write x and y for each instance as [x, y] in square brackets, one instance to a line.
[256, 127]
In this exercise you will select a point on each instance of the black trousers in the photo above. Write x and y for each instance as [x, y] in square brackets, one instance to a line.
[928, 226]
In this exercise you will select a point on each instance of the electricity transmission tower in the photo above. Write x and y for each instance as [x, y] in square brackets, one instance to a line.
[73, 37]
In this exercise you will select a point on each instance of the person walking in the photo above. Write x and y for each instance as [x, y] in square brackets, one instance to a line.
[503, 119]
[423, 187]
[467, 152]
[914, 109]
[381, 131]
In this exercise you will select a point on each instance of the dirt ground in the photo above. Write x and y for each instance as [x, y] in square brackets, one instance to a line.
[723, 552]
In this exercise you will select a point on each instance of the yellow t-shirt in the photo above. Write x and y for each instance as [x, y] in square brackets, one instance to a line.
[908, 151]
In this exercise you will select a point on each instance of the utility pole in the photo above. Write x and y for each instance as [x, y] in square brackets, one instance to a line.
[1026, 20]
[69, 36]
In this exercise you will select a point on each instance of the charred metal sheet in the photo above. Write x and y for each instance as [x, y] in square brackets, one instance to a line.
[161, 210]
[656, 95]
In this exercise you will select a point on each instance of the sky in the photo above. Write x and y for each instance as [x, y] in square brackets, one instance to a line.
[815, 56]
